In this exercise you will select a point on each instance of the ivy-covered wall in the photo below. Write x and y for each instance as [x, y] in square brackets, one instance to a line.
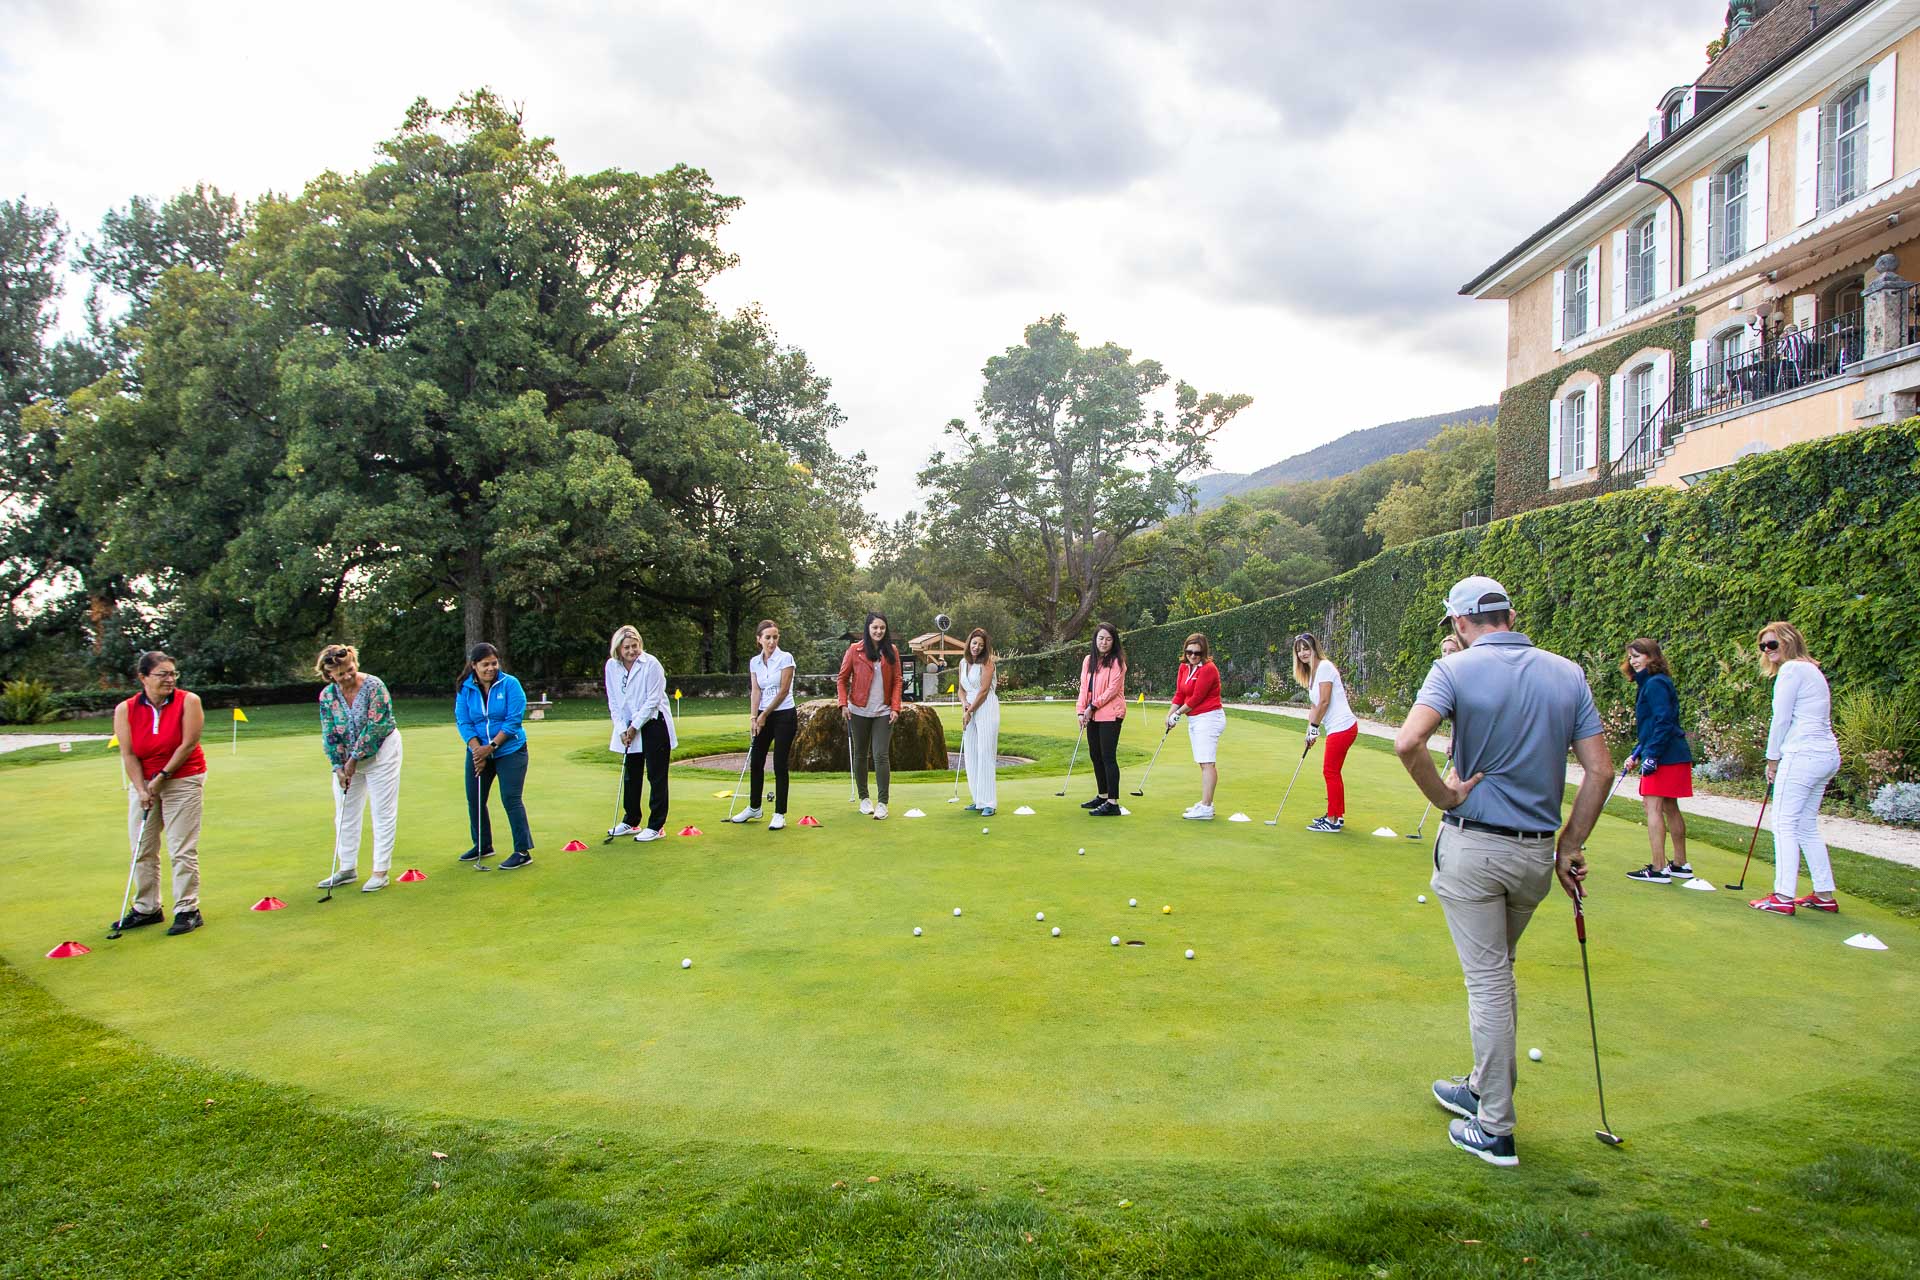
[1824, 534]
[1520, 432]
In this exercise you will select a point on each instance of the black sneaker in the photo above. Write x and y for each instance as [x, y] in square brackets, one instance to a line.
[1677, 870]
[1456, 1097]
[1494, 1149]
[184, 922]
[1327, 824]
[134, 919]
[1107, 809]
[474, 855]
[515, 860]
[1650, 874]
[1094, 803]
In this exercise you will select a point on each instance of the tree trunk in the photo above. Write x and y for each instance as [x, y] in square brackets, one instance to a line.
[497, 612]
[473, 592]
[706, 641]
[734, 622]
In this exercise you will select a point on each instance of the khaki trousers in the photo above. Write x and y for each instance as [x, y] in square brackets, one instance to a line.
[176, 811]
[1488, 886]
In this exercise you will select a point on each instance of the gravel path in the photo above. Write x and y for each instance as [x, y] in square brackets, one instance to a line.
[21, 741]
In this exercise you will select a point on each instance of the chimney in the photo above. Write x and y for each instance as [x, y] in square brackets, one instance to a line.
[1739, 20]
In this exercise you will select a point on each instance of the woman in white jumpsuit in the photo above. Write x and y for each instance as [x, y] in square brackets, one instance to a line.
[979, 720]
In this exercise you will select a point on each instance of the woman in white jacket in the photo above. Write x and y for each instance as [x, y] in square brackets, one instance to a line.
[1802, 757]
[979, 721]
[642, 732]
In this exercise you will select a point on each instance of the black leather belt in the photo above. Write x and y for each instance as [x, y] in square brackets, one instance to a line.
[1468, 824]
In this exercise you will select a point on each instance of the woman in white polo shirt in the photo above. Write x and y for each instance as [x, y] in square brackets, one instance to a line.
[643, 733]
[1330, 715]
[772, 719]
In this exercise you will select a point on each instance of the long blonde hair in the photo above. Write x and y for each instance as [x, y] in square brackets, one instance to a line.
[1304, 674]
[620, 636]
[1793, 646]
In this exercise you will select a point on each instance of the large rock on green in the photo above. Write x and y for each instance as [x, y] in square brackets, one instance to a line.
[820, 742]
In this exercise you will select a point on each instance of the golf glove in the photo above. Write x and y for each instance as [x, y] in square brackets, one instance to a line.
[1313, 734]
[1172, 720]
[1648, 767]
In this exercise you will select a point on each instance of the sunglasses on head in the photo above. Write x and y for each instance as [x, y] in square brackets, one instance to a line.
[1769, 645]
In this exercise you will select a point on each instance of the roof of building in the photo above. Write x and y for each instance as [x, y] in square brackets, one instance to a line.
[1778, 35]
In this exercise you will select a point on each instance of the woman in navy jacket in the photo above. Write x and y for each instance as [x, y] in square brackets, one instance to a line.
[1666, 761]
[488, 707]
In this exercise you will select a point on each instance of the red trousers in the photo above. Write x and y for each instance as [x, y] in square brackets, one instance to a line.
[1334, 760]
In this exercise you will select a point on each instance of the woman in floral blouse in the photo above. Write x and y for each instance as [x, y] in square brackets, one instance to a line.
[363, 745]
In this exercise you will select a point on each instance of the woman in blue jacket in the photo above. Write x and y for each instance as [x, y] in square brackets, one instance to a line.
[488, 707]
[1666, 761]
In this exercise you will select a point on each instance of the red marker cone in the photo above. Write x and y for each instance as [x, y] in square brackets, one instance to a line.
[574, 846]
[269, 904]
[69, 948]
[411, 874]
[691, 831]
[809, 821]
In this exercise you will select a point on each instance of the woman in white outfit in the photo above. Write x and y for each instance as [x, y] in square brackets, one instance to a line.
[643, 732]
[772, 720]
[1802, 757]
[979, 721]
[362, 743]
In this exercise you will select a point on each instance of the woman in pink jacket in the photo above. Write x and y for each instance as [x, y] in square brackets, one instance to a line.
[1103, 705]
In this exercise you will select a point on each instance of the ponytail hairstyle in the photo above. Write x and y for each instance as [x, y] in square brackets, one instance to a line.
[475, 656]
[1304, 672]
[760, 628]
[332, 656]
[1095, 660]
[986, 647]
[886, 647]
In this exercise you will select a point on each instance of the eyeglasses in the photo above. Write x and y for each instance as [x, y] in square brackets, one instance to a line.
[163, 675]
[1769, 645]
[1305, 637]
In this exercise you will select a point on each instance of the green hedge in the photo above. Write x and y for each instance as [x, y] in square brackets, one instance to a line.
[1824, 534]
[1520, 432]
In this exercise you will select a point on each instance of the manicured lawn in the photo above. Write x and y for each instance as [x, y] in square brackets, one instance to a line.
[1261, 1107]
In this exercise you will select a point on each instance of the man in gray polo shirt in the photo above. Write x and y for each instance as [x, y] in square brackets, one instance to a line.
[1516, 710]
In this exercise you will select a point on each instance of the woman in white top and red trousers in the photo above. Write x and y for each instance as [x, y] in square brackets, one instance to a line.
[1329, 715]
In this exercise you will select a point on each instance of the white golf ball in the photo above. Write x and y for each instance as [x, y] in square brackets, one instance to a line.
[687, 963]
[1083, 853]
[1534, 1054]
[1039, 915]
[1133, 902]
[1189, 953]
[1056, 931]
[916, 931]
[1421, 898]
[983, 831]
[956, 911]
[1114, 941]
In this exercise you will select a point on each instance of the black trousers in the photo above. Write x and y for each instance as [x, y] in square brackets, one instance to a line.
[776, 731]
[654, 755]
[1103, 745]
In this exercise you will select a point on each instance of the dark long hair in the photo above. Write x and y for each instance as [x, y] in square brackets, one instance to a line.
[1117, 654]
[1648, 648]
[885, 647]
[986, 646]
[474, 656]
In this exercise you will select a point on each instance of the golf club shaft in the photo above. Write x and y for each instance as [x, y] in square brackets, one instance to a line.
[1141, 790]
[133, 864]
[956, 766]
[1586, 973]
[1754, 839]
[479, 803]
[740, 781]
[333, 863]
[1424, 814]
[1289, 795]
[852, 795]
[1070, 761]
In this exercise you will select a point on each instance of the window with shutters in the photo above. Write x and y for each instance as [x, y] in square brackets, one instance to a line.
[1728, 236]
[1670, 119]
[1573, 433]
[1843, 146]
[1728, 346]
[1573, 314]
[1639, 410]
[1640, 258]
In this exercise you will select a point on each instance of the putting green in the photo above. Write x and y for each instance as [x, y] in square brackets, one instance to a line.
[1322, 1000]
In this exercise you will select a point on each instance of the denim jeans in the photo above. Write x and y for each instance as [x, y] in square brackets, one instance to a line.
[511, 770]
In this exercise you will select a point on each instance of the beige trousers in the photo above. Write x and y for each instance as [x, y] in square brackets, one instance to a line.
[1488, 886]
[176, 812]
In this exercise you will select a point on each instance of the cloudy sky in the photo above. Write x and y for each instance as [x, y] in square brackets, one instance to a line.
[1273, 197]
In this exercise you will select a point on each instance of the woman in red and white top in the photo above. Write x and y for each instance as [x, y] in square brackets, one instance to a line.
[1196, 695]
[1102, 707]
[1330, 715]
[159, 733]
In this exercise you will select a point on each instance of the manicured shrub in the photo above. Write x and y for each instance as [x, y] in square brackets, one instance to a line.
[1898, 802]
[27, 702]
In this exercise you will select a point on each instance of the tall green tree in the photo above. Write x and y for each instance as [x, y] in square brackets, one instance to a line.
[1066, 466]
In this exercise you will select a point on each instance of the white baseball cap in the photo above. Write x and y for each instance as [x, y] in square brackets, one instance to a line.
[1464, 601]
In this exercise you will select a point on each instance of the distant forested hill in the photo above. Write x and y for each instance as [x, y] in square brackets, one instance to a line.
[1338, 457]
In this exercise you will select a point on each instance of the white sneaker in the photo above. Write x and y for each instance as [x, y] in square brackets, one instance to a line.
[620, 829]
[779, 821]
[880, 812]
[646, 835]
[375, 882]
[745, 815]
[345, 875]
[866, 806]
[1200, 813]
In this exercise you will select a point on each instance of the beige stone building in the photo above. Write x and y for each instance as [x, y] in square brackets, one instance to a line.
[1738, 281]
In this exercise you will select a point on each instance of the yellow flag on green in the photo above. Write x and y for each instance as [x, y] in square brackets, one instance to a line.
[113, 740]
[239, 716]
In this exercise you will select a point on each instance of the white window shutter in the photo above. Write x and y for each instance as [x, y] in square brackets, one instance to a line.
[1553, 440]
[1804, 309]
[1662, 379]
[1662, 249]
[1688, 105]
[1619, 274]
[1880, 101]
[1702, 216]
[1591, 449]
[1653, 129]
[1700, 355]
[1559, 309]
[1616, 417]
[1593, 288]
[1757, 195]
[1806, 167]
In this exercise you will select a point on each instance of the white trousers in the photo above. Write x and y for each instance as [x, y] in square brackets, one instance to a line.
[376, 782]
[979, 748]
[1798, 785]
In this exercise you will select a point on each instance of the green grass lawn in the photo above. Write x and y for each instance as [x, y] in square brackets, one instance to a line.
[1260, 1108]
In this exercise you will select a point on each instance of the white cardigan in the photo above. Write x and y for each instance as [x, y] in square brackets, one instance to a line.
[635, 696]
[1802, 712]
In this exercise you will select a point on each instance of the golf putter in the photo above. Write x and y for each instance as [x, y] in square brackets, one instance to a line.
[479, 863]
[740, 782]
[1141, 790]
[955, 797]
[853, 796]
[1741, 883]
[333, 863]
[1605, 1132]
[1070, 761]
[1424, 813]
[133, 861]
[619, 799]
[1274, 821]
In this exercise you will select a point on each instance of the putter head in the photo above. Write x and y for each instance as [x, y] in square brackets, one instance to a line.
[1136, 793]
[1273, 822]
[1608, 1137]
[1736, 887]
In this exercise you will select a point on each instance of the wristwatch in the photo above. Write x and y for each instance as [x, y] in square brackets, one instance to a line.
[161, 776]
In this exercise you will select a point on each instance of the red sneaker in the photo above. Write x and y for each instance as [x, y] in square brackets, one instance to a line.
[1818, 903]
[1774, 902]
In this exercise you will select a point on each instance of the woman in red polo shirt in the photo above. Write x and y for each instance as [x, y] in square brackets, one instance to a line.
[159, 732]
[1196, 695]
